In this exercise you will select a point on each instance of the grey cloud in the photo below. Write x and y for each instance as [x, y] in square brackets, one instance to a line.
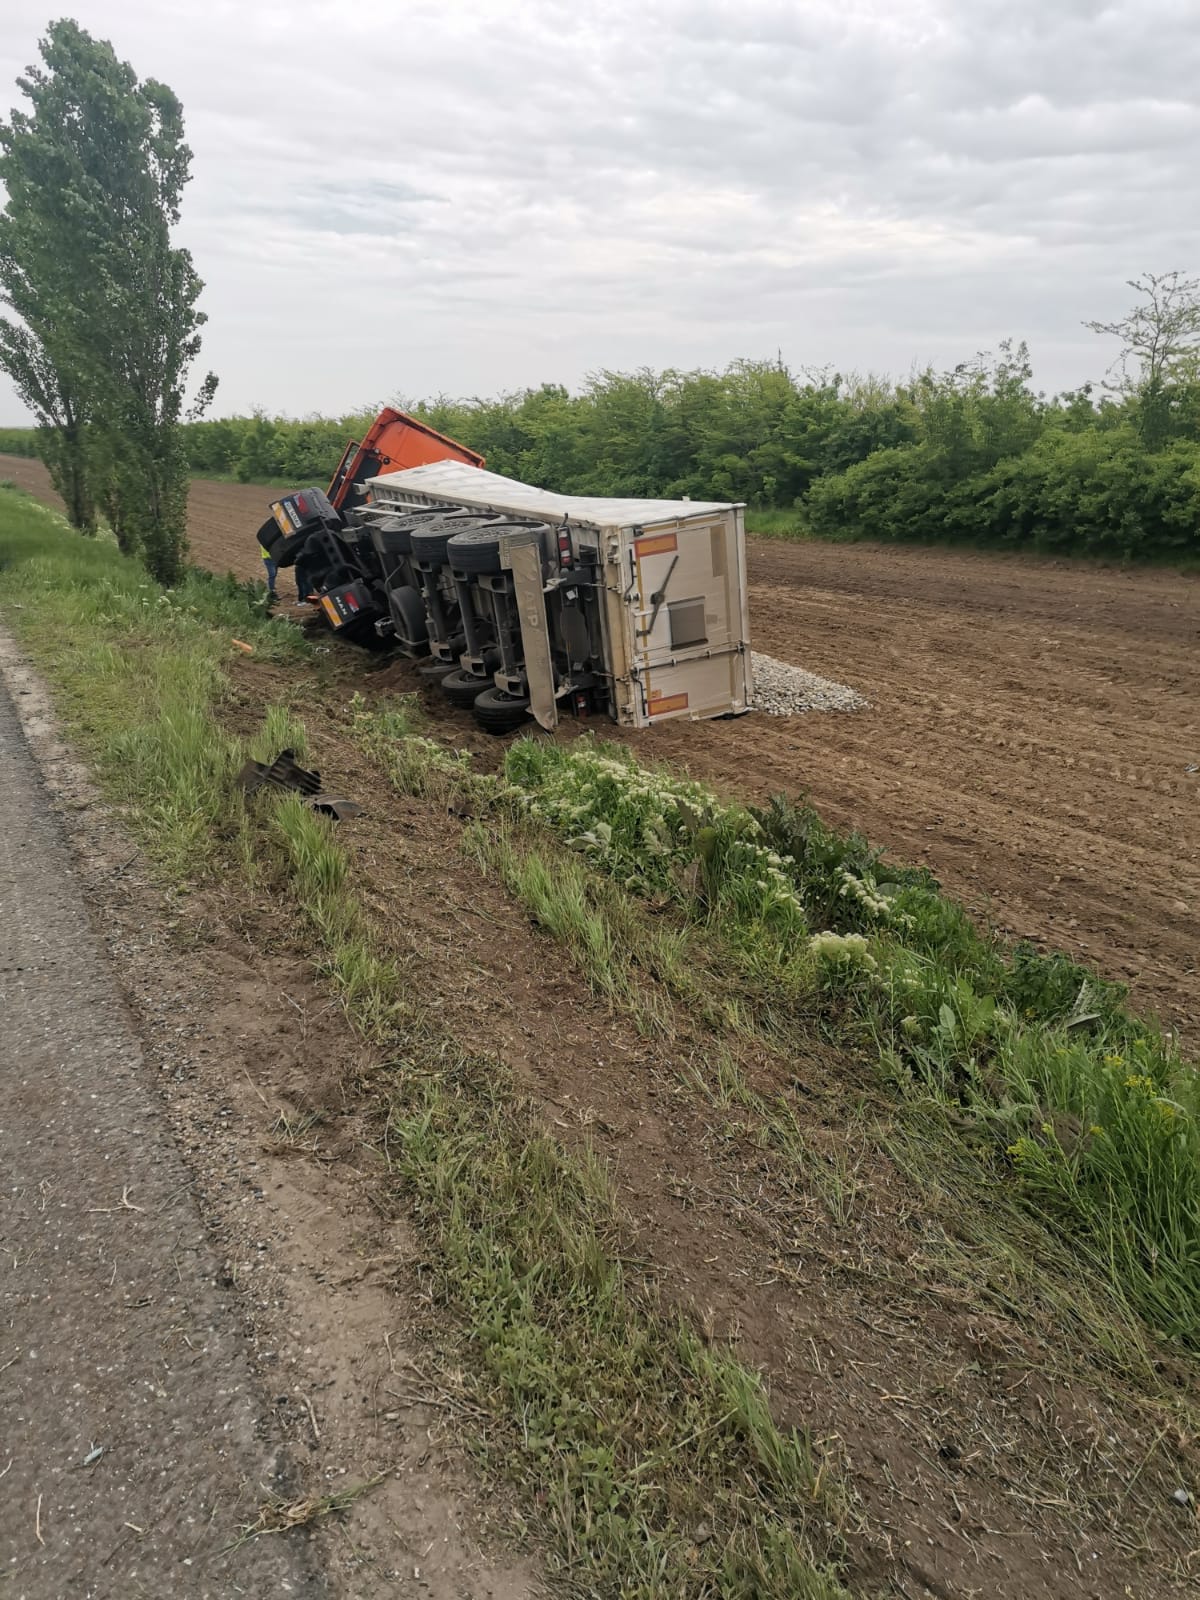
[427, 196]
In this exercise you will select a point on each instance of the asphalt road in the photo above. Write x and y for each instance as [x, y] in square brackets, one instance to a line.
[133, 1443]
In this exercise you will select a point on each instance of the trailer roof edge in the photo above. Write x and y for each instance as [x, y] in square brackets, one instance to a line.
[475, 486]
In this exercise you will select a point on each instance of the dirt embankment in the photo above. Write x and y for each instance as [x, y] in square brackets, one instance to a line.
[1031, 729]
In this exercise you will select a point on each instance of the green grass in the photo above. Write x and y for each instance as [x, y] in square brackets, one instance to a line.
[667, 1473]
[316, 866]
[786, 524]
[1092, 1113]
[908, 1154]
[623, 958]
[138, 673]
[647, 966]
[631, 1430]
[978, 1239]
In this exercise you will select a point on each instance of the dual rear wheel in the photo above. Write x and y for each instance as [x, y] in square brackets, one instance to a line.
[495, 711]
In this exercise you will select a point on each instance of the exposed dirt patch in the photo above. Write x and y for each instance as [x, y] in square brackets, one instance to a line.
[1030, 731]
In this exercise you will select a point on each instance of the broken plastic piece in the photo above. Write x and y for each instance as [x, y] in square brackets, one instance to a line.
[284, 773]
[334, 805]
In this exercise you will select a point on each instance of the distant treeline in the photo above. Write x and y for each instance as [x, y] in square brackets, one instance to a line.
[975, 454]
[19, 442]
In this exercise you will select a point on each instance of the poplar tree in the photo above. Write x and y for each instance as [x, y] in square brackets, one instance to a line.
[106, 324]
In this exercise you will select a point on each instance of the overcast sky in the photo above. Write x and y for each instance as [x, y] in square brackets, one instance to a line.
[421, 196]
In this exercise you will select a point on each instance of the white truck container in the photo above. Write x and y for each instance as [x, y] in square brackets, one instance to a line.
[672, 594]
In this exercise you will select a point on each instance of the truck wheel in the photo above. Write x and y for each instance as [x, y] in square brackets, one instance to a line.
[392, 537]
[462, 689]
[408, 615]
[430, 546]
[474, 550]
[434, 670]
[497, 712]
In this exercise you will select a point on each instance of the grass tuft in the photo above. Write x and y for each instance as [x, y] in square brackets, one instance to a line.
[668, 1473]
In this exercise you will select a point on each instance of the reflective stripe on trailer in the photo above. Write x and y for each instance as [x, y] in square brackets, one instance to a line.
[658, 704]
[657, 544]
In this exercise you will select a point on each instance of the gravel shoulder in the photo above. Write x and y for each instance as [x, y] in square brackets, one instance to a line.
[196, 1274]
[132, 1428]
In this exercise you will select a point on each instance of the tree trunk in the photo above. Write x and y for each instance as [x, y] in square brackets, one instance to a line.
[64, 451]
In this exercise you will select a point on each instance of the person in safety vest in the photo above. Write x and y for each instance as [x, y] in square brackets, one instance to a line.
[272, 570]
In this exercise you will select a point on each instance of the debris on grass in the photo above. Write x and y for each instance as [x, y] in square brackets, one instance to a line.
[286, 773]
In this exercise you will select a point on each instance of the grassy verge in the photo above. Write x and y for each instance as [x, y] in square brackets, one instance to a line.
[654, 1453]
[921, 1202]
[982, 1242]
[649, 1455]
[1094, 1113]
[1091, 1118]
[137, 672]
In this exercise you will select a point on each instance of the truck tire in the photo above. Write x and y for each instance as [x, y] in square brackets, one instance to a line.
[435, 669]
[462, 689]
[393, 537]
[474, 550]
[497, 712]
[429, 544]
[408, 616]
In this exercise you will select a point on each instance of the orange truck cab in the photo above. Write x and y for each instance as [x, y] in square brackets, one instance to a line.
[393, 442]
[318, 531]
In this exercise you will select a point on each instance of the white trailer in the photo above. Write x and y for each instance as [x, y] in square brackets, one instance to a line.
[672, 598]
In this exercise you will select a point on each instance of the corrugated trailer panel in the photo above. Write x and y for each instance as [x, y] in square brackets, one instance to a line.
[455, 483]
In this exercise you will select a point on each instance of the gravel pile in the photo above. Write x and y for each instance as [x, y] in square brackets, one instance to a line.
[783, 691]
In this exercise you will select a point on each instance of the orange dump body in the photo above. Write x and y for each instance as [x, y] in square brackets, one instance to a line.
[393, 442]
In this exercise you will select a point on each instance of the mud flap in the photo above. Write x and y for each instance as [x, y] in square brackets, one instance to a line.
[521, 554]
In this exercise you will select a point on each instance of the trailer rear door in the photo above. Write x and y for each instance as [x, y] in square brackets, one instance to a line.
[685, 617]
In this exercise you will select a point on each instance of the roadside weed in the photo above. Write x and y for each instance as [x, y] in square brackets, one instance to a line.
[1092, 1113]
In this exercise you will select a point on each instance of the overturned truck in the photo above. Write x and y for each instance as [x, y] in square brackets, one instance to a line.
[523, 603]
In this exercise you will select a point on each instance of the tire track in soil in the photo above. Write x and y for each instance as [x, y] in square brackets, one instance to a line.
[1030, 727]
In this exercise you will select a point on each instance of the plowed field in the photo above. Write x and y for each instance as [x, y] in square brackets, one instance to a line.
[1031, 729]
